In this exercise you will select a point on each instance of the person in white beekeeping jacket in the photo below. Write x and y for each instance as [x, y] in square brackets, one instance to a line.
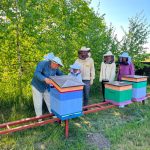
[107, 71]
[87, 71]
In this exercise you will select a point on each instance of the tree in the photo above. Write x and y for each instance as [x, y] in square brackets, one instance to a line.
[135, 39]
[30, 29]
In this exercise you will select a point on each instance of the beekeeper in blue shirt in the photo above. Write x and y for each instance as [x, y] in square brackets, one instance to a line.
[41, 81]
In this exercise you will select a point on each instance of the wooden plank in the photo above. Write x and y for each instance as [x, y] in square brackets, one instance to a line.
[118, 88]
[134, 79]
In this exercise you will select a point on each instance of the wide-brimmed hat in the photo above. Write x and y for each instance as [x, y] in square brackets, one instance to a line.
[84, 49]
[124, 54]
[75, 66]
[57, 60]
[109, 53]
[49, 56]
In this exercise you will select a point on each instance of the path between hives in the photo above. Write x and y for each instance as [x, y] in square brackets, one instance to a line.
[99, 140]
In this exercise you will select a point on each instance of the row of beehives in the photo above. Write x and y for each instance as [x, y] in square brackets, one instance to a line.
[131, 88]
[66, 96]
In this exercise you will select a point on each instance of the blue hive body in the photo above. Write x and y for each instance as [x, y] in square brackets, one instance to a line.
[68, 104]
[139, 94]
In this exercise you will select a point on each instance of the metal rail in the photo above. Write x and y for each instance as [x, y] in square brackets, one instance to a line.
[27, 123]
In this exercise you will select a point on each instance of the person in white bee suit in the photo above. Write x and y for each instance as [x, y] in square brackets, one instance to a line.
[107, 71]
[87, 71]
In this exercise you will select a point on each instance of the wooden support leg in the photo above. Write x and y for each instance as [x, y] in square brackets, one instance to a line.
[143, 102]
[66, 128]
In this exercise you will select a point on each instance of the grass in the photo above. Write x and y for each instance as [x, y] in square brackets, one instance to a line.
[125, 129]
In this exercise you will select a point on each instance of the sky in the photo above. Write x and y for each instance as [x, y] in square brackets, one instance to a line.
[117, 13]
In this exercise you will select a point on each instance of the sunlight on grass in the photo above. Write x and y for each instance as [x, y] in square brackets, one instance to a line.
[116, 113]
[126, 129]
[78, 125]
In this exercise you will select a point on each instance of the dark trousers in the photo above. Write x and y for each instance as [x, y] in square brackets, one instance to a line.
[103, 88]
[86, 91]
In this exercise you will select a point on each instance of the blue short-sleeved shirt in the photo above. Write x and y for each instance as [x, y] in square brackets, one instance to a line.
[43, 70]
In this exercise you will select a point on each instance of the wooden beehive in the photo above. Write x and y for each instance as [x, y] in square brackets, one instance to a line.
[139, 84]
[66, 97]
[118, 93]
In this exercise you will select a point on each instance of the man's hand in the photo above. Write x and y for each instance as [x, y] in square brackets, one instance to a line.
[48, 81]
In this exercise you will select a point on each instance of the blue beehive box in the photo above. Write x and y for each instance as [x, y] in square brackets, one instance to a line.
[66, 97]
[139, 84]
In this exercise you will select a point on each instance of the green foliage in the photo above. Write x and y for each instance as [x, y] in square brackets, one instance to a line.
[30, 29]
[135, 39]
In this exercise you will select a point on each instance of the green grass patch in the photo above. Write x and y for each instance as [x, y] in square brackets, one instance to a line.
[125, 129]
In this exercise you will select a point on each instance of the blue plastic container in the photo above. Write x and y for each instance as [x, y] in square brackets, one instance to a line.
[66, 105]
